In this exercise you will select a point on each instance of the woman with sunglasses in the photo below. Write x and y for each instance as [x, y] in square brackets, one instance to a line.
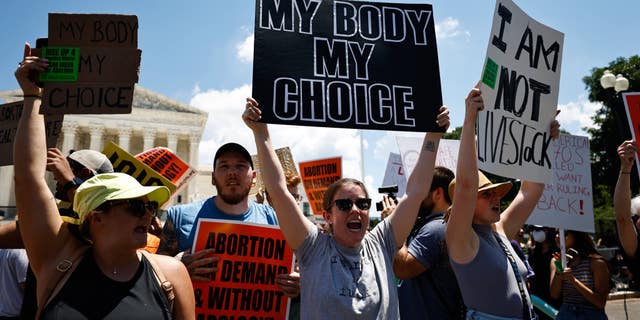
[347, 273]
[106, 276]
[490, 274]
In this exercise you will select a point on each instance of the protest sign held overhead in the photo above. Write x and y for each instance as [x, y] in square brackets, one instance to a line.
[410, 150]
[10, 114]
[316, 177]
[251, 256]
[169, 165]
[632, 107]
[94, 63]
[520, 83]
[395, 175]
[567, 201]
[348, 64]
[124, 162]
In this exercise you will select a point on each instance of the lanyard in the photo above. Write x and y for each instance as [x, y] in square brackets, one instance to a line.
[526, 311]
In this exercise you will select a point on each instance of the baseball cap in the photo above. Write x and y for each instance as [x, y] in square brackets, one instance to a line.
[92, 160]
[485, 184]
[112, 186]
[230, 148]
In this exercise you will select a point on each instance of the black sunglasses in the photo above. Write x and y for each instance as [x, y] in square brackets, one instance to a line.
[136, 207]
[347, 204]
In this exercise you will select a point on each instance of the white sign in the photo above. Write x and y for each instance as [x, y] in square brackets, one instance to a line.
[394, 174]
[567, 203]
[520, 83]
[410, 149]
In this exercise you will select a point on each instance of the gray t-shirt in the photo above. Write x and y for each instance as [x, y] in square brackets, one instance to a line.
[488, 283]
[348, 283]
[13, 272]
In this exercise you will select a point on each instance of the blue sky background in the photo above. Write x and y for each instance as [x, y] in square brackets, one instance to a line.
[200, 53]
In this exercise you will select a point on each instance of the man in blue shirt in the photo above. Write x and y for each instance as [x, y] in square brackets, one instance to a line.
[428, 288]
[233, 175]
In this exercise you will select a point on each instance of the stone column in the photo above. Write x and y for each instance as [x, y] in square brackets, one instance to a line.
[149, 137]
[172, 141]
[69, 136]
[124, 138]
[194, 145]
[96, 132]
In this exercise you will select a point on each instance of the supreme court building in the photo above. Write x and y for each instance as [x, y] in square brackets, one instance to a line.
[155, 121]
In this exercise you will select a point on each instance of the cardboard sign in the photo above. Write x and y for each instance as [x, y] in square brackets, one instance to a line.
[632, 107]
[169, 165]
[251, 256]
[395, 174]
[410, 150]
[520, 84]
[9, 117]
[567, 202]
[286, 161]
[349, 64]
[108, 65]
[124, 162]
[316, 177]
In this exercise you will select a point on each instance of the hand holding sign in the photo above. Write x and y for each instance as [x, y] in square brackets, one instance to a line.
[200, 264]
[474, 102]
[29, 65]
[252, 114]
[627, 152]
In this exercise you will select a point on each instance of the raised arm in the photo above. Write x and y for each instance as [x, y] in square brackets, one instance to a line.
[293, 224]
[622, 199]
[404, 216]
[40, 222]
[517, 213]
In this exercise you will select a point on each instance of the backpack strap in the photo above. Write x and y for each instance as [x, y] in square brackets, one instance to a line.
[165, 284]
[64, 270]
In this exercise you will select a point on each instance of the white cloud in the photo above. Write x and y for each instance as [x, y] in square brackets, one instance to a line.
[225, 109]
[244, 50]
[576, 115]
[450, 28]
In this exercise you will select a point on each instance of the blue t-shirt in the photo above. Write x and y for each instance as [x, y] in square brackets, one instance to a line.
[185, 218]
[433, 294]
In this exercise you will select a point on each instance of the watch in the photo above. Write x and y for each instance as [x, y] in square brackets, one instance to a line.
[74, 183]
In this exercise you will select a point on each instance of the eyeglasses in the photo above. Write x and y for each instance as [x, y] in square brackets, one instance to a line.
[136, 207]
[347, 204]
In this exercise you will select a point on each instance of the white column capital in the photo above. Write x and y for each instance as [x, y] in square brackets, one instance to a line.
[96, 132]
[148, 137]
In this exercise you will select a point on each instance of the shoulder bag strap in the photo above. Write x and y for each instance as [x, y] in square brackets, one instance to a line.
[165, 284]
[526, 310]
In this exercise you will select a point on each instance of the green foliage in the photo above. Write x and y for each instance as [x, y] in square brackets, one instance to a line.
[453, 135]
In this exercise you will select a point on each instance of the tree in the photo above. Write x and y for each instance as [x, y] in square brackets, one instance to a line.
[609, 130]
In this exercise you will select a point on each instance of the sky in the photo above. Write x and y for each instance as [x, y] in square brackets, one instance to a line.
[201, 52]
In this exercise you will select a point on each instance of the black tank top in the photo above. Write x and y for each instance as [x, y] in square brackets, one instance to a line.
[89, 294]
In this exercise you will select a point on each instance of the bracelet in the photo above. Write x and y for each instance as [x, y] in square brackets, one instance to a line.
[623, 172]
[36, 96]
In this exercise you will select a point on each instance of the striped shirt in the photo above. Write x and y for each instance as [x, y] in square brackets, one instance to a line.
[582, 272]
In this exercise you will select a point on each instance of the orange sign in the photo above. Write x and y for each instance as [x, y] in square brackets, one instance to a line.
[251, 256]
[169, 165]
[317, 176]
[632, 106]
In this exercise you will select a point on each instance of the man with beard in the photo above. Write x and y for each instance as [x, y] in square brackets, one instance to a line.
[233, 176]
[428, 288]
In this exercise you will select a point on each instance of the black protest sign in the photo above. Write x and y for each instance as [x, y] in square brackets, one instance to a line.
[347, 64]
[520, 84]
[107, 65]
[10, 114]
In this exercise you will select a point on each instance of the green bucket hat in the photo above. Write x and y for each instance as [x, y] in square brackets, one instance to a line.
[112, 186]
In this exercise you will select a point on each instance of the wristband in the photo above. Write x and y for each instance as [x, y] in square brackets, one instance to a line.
[625, 172]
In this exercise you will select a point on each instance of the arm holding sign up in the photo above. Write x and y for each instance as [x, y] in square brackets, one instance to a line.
[292, 221]
[622, 199]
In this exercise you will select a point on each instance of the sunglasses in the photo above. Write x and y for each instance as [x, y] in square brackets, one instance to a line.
[347, 204]
[136, 207]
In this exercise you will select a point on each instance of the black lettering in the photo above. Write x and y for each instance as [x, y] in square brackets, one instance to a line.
[505, 17]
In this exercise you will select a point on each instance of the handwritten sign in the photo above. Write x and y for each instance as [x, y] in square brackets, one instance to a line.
[520, 83]
[349, 64]
[286, 161]
[124, 162]
[251, 256]
[632, 107]
[10, 114]
[108, 63]
[395, 174]
[410, 150]
[567, 203]
[316, 177]
[169, 165]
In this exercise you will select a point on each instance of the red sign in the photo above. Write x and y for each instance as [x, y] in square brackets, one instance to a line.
[632, 106]
[251, 256]
[317, 176]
